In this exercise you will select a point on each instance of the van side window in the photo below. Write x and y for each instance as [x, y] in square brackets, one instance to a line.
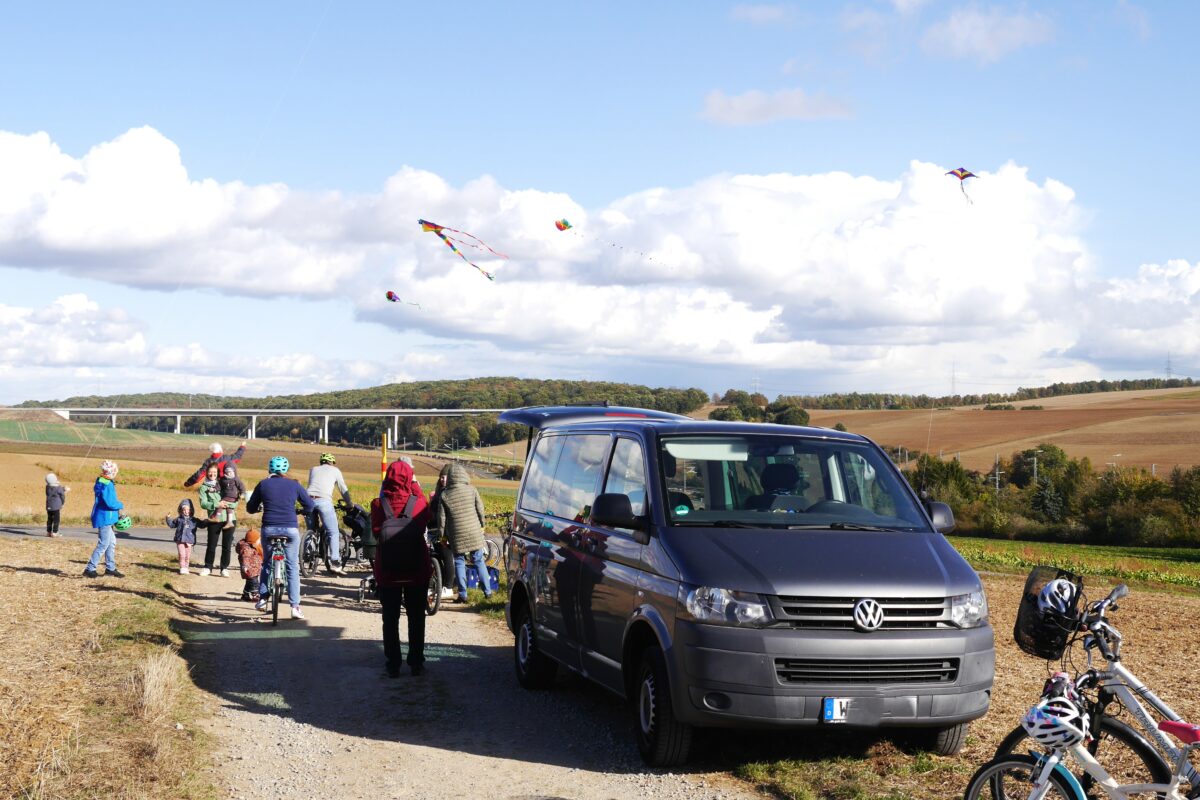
[539, 481]
[627, 474]
[577, 477]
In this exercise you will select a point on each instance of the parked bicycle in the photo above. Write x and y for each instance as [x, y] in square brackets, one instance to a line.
[1077, 716]
[314, 548]
[277, 581]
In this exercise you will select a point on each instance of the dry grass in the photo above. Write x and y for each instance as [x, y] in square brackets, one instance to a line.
[91, 687]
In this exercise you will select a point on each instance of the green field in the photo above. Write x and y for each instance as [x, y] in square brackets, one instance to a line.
[1169, 566]
[69, 433]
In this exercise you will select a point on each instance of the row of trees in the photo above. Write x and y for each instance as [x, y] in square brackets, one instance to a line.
[1044, 494]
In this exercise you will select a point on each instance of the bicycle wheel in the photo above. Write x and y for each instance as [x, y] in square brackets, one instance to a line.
[492, 552]
[344, 547]
[1124, 752]
[310, 553]
[433, 595]
[276, 590]
[1011, 778]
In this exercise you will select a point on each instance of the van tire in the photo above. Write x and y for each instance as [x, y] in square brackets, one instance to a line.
[535, 670]
[662, 739]
[948, 741]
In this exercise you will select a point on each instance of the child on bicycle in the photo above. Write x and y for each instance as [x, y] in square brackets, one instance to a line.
[250, 559]
[185, 532]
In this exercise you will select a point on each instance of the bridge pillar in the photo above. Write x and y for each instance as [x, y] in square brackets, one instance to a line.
[395, 429]
[178, 424]
[253, 426]
[114, 421]
[325, 430]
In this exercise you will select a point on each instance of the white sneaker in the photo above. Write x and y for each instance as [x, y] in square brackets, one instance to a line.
[205, 571]
[261, 605]
[448, 593]
[336, 569]
[297, 613]
[224, 573]
[183, 570]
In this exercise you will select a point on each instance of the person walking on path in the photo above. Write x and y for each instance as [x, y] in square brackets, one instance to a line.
[185, 526]
[218, 514]
[276, 497]
[218, 459]
[56, 498]
[458, 512]
[399, 518]
[105, 512]
[322, 480]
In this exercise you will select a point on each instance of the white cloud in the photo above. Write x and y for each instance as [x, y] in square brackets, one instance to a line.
[853, 281]
[908, 6]
[760, 13]
[1135, 18]
[986, 35]
[757, 107]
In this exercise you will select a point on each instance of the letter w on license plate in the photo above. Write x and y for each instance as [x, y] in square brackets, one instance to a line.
[834, 709]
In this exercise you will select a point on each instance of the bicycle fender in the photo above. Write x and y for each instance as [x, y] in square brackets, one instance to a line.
[1067, 776]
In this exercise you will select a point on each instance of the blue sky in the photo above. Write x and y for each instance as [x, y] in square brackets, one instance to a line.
[583, 109]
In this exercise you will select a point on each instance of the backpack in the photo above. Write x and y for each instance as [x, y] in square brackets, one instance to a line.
[402, 555]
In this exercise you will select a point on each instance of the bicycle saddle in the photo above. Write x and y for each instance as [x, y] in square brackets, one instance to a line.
[1183, 731]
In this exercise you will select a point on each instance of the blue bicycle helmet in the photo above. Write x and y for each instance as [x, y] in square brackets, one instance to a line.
[278, 465]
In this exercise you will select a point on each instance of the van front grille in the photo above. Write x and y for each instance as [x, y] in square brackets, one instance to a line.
[860, 671]
[837, 613]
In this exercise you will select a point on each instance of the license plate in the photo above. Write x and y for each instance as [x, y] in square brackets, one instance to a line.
[834, 709]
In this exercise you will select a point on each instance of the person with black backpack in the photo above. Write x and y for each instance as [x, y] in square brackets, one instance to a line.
[402, 567]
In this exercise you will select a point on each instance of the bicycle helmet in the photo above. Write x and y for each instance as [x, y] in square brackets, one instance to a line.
[328, 458]
[108, 469]
[278, 465]
[1056, 722]
[123, 523]
[1058, 597]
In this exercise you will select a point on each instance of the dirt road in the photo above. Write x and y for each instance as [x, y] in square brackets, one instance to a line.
[305, 710]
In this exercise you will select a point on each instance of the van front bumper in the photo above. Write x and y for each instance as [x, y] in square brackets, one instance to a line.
[739, 677]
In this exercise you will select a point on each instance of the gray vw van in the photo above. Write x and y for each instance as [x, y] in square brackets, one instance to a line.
[742, 575]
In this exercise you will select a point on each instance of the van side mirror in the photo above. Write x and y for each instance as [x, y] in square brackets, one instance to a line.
[615, 511]
[942, 517]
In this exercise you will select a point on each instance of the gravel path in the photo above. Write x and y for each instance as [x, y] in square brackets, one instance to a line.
[305, 710]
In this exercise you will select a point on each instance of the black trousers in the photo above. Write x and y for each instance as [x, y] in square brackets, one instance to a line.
[413, 598]
[52, 518]
[217, 532]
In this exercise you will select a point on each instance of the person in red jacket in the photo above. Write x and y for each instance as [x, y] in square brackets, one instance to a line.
[405, 583]
[218, 459]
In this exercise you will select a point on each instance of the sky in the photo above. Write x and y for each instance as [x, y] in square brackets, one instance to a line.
[216, 197]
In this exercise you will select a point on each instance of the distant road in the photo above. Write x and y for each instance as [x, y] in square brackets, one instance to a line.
[138, 538]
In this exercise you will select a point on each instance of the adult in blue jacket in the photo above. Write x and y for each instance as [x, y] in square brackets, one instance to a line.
[105, 512]
[276, 497]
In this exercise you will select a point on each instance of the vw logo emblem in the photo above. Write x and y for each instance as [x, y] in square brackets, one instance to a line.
[868, 615]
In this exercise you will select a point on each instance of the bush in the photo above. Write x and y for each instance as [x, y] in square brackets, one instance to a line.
[513, 472]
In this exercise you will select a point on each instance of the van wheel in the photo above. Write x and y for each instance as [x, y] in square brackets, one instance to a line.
[948, 741]
[662, 739]
[535, 670]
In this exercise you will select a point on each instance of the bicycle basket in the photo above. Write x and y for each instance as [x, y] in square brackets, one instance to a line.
[1045, 633]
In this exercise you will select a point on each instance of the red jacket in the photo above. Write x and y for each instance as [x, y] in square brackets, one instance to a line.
[398, 486]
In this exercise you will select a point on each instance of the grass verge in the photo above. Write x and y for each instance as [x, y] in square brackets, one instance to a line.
[94, 698]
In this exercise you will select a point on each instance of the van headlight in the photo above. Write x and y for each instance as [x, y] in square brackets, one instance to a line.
[969, 610]
[714, 606]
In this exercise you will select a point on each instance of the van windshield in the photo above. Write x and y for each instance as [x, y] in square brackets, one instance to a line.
[785, 482]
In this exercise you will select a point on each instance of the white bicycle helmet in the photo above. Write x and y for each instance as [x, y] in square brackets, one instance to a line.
[1056, 722]
[1058, 596]
[108, 469]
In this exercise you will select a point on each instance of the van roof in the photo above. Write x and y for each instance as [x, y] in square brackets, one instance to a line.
[627, 418]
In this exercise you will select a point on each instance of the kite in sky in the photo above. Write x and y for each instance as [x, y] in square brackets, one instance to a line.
[564, 225]
[444, 234]
[962, 174]
[395, 298]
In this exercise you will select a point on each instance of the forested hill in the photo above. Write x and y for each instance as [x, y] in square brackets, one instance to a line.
[473, 393]
[430, 433]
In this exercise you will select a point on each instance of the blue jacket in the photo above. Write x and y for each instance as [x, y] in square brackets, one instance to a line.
[276, 497]
[107, 507]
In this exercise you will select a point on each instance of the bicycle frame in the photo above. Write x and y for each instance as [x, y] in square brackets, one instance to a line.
[1115, 791]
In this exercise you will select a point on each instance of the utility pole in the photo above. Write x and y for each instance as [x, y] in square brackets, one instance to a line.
[998, 474]
[1035, 481]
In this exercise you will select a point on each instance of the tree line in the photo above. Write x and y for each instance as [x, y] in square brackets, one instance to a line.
[1046, 495]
